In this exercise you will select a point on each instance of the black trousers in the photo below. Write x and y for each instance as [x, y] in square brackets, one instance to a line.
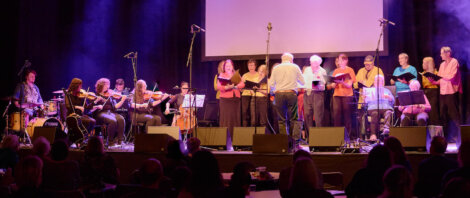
[246, 110]
[450, 116]
[342, 113]
[433, 96]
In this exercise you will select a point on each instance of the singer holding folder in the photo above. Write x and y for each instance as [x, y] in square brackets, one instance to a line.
[314, 96]
[402, 85]
[450, 87]
[343, 94]
[248, 93]
[229, 100]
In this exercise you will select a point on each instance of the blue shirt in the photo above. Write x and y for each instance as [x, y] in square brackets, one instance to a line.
[399, 71]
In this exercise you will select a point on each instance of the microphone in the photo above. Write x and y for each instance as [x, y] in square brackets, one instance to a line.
[383, 20]
[199, 28]
[129, 55]
[270, 27]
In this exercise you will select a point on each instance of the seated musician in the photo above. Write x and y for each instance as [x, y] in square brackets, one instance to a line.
[107, 112]
[419, 112]
[28, 94]
[365, 77]
[141, 104]
[383, 107]
[120, 88]
[79, 105]
[181, 119]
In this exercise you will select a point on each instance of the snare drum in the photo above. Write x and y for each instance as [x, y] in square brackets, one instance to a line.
[43, 122]
[51, 107]
[15, 119]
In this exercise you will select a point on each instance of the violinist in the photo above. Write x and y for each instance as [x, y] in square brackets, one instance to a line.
[80, 104]
[141, 105]
[107, 112]
[120, 88]
[177, 102]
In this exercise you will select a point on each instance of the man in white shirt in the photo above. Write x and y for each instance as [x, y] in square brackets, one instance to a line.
[314, 96]
[284, 79]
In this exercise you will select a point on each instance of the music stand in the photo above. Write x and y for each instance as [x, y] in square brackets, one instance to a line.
[411, 97]
[192, 102]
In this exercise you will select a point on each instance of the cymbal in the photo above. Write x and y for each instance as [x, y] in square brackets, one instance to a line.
[9, 98]
[57, 99]
[58, 92]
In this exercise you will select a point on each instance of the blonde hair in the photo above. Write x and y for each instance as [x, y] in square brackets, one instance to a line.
[139, 90]
[100, 84]
[220, 67]
[446, 49]
[265, 69]
[431, 61]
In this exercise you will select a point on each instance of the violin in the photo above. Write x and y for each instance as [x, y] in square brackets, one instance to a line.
[113, 94]
[87, 95]
[156, 95]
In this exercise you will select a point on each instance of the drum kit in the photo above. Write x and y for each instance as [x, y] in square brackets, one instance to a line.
[48, 116]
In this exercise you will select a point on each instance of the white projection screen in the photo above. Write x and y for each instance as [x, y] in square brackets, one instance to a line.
[238, 28]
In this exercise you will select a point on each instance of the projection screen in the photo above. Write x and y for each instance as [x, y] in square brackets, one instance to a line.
[238, 28]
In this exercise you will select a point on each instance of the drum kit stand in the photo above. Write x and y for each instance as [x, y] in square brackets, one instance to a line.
[50, 116]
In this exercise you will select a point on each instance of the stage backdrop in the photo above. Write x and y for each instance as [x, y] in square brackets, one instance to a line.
[88, 39]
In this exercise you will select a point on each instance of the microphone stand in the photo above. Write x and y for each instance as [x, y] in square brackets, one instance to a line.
[134, 68]
[189, 63]
[382, 25]
[267, 76]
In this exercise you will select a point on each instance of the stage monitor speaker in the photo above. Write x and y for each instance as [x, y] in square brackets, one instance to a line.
[243, 136]
[151, 143]
[170, 130]
[269, 143]
[411, 138]
[212, 136]
[326, 137]
[48, 132]
[465, 133]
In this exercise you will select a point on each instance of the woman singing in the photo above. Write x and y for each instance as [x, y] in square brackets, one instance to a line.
[259, 114]
[247, 94]
[343, 95]
[107, 113]
[229, 100]
[142, 102]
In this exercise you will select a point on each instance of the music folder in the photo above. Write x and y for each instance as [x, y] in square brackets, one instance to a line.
[360, 85]
[405, 76]
[411, 97]
[235, 79]
[340, 77]
[431, 75]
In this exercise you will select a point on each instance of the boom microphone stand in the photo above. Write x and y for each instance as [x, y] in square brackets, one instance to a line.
[383, 23]
[189, 63]
[133, 57]
[267, 76]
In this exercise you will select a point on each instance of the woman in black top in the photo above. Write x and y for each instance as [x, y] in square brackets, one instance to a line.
[107, 112]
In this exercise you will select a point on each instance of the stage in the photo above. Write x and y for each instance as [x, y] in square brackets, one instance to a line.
[346, 163]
